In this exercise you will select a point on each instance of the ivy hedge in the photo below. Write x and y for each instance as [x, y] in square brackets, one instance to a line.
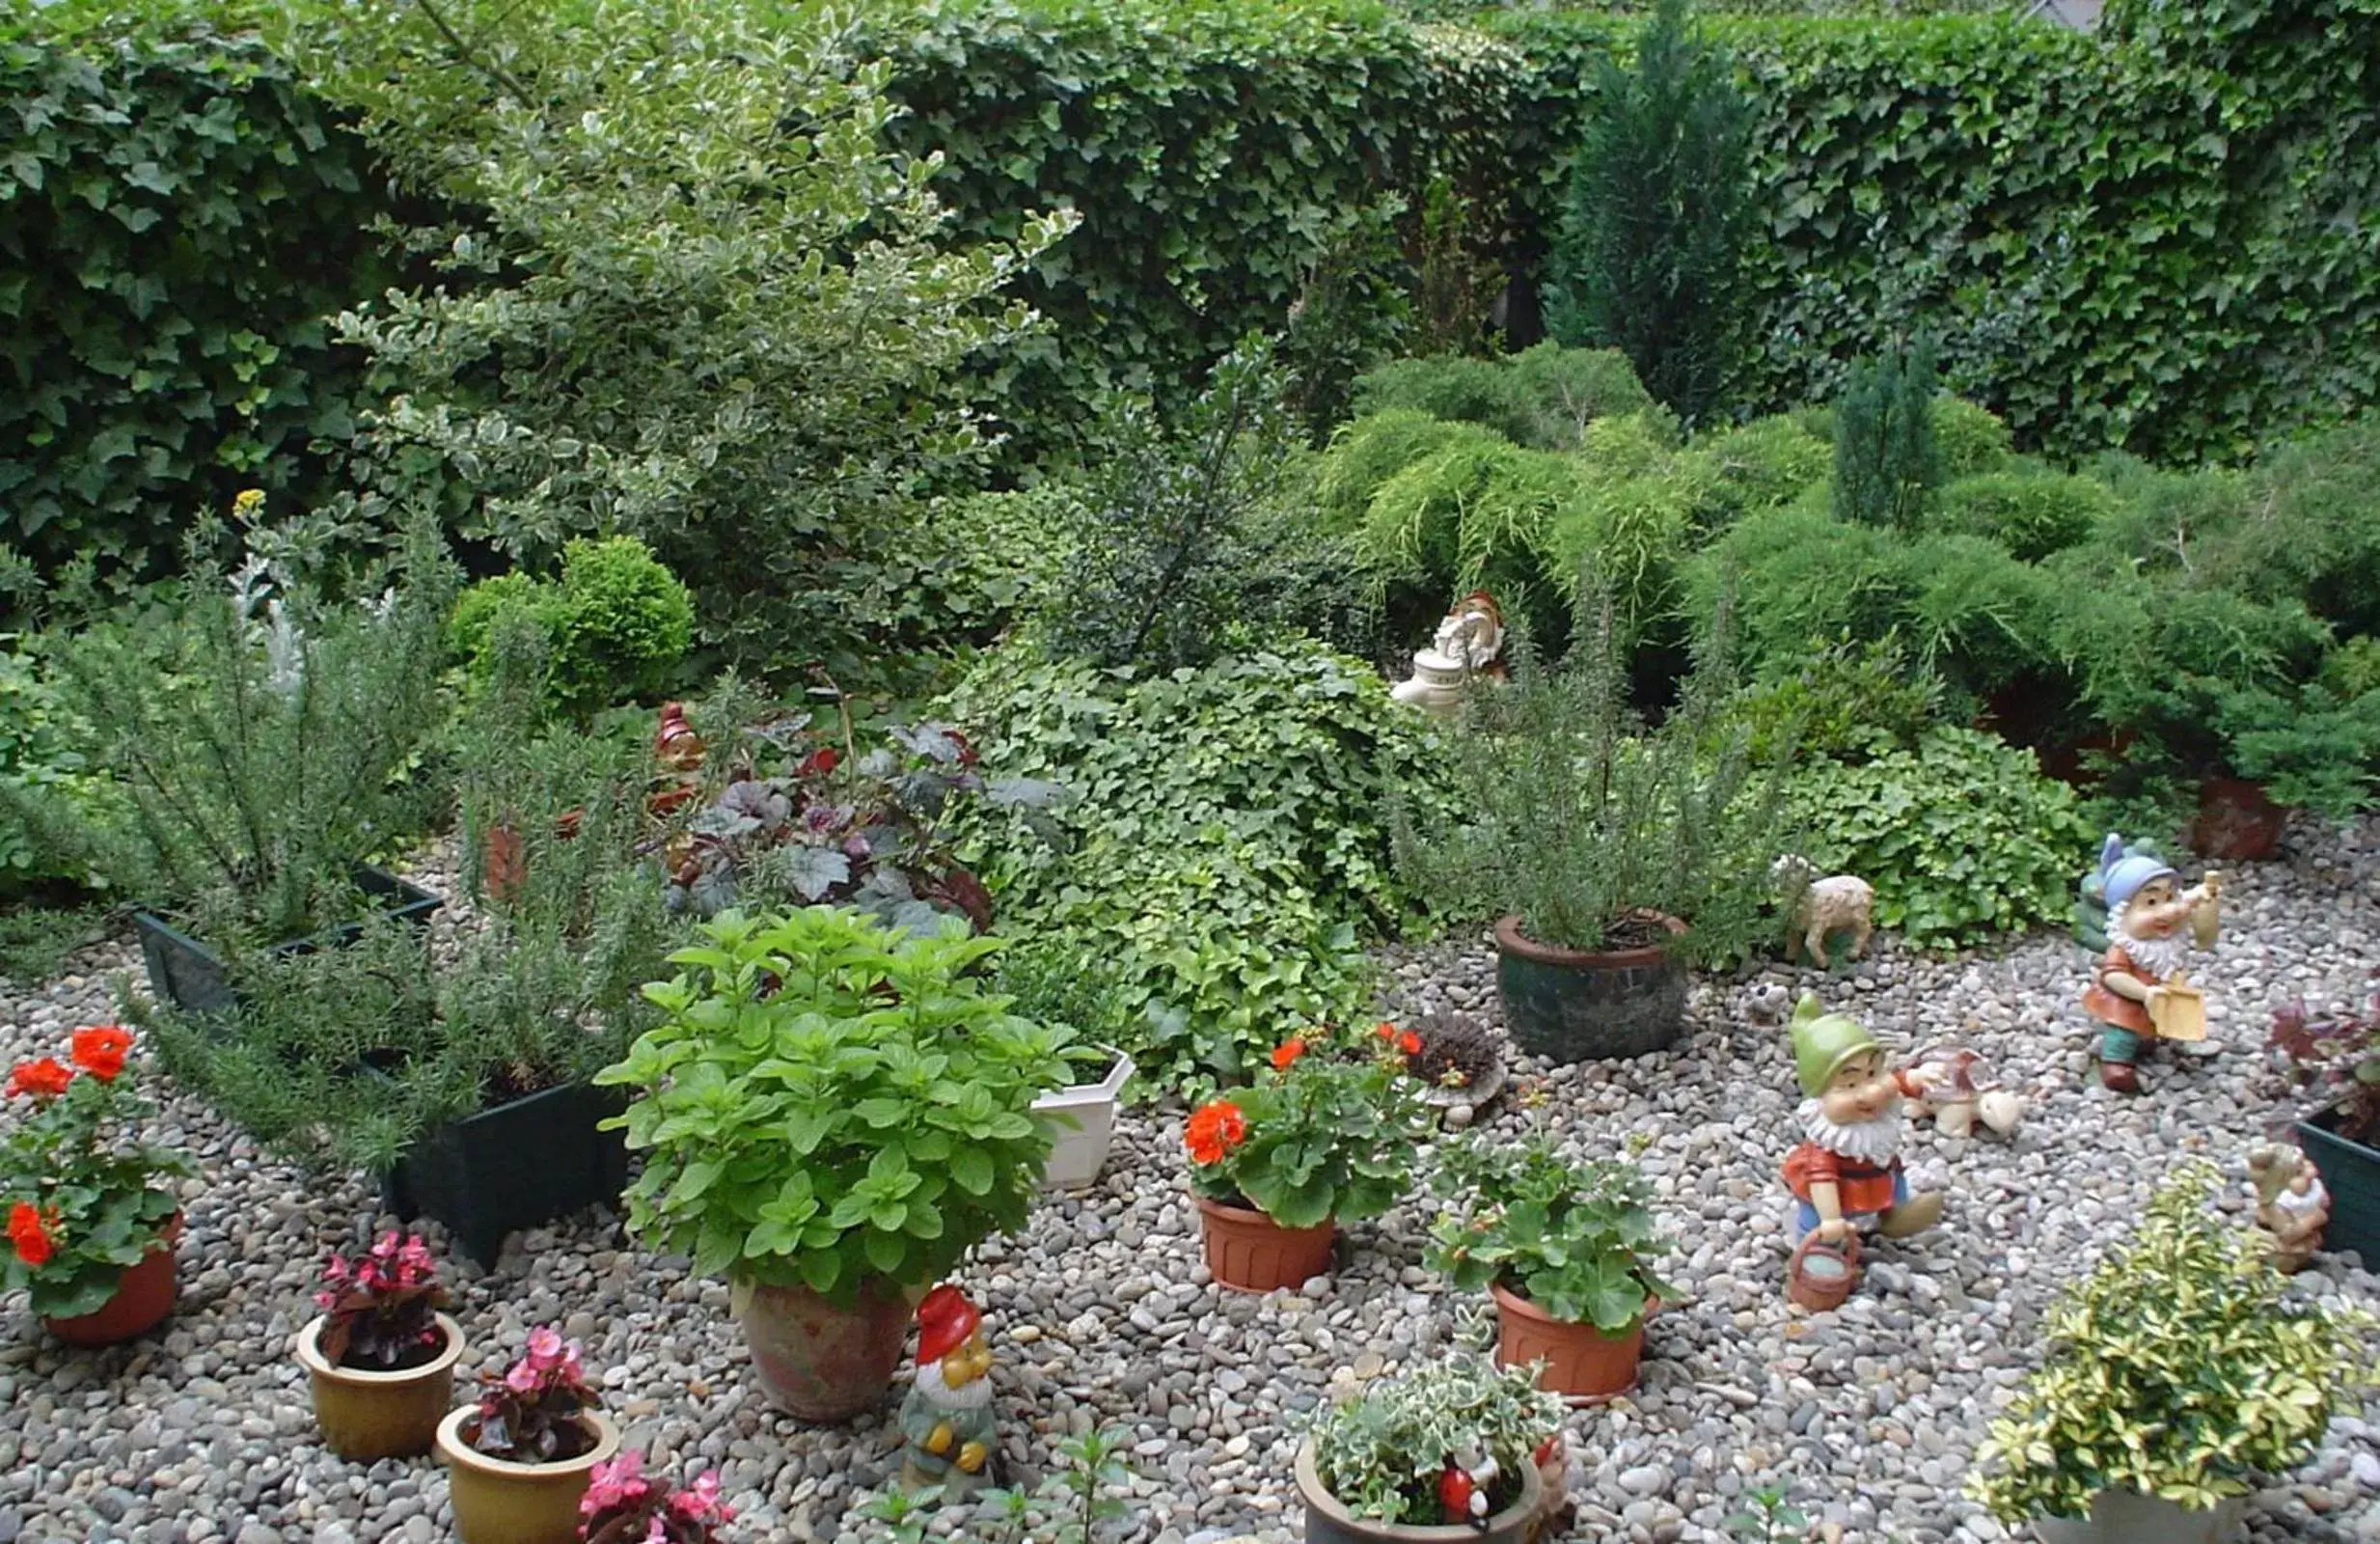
[2164, 238]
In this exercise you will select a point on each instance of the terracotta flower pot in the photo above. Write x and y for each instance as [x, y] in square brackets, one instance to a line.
[503, 864]
[1580, 1361]
[1327, 1521]
[1248, 1251]
[2237, 822]
[500, 1503]
[366, 1414]
[144, 1297]
[1580, 1005]
[822, 1362]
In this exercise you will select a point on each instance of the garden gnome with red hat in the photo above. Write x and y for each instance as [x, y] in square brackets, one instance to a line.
[947, 1422]
[1849, 1164]
[2136, 991]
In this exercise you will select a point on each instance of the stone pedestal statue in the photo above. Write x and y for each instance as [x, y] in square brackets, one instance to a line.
[1468, 643]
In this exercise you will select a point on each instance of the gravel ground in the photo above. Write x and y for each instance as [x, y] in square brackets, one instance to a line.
[1102, 1316]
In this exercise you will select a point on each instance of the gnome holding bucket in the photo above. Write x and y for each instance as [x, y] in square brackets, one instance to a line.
[1848, 1167]
[2137, 992]
[946, 1424]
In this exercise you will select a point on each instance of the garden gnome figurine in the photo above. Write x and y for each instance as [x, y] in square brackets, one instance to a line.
[946, 1424]
[1849, 1164]
[2136, 991]
[1468, 643]
[2292, 1204]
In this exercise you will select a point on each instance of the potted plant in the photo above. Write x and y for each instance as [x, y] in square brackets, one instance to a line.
[2179, 1373]
[1563, 1247]
[521, 1459]
[2337, 1057]
[261, 732]
[832, 1112]
[1325, 1136]
[1445, 1452]
[91, 1228]
[380, 1356]
[624, 1506]
[1609, 855]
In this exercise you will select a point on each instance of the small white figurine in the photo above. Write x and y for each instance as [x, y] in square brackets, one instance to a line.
[1836, 903]
[1967, 1091]
[1468, 643]
[2292, 1204]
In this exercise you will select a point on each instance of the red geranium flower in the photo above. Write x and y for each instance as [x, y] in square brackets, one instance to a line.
[45, 1079]
[1384, 1032]
[27, 1234]
[100, 1050]
[1214, 1128]
[819, 763]
[1287, 1052]
[1408, 1042]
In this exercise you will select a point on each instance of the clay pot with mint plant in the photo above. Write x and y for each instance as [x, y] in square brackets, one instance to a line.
[832, 1112]
[1609, 854]
[1564, 1247]
[380, 1356]
[521, 1459]
[1444, 1453]
[2178, 1375]
[92, 1221]
[1325, 1135]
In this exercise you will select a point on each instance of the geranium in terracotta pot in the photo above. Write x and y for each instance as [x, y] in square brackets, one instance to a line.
[520, 1460]
[832, 1112]
[1448, 1452]
[625, 1505]
[1562, 1248]
[1325, 1135]
[380, 1356]
[91, 1225]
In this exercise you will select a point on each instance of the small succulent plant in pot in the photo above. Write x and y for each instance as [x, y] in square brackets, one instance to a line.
[1325, 1136]
[380, 1356]
[90, 1218]
[1448, 1450]
[520, 1460]
[1564, 1247]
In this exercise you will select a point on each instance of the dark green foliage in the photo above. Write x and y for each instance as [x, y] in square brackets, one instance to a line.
[1350, 313]
[1652, 254]
[177, 214]
[39, 760]
[1887, 464]
[1961, 836]
[1843, 699]
[617, 624]
[1226, 840]
[2032, 514]
[1156, 575]
[1453, 289]
[36, 940]
[1761, 465]
[1542, 398]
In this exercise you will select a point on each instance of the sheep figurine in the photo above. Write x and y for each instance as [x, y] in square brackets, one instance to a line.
[1836, 903]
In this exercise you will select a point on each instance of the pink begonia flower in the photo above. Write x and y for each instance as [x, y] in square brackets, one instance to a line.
[700, 1503]
[609, 1484]
[572, 1369]
[545, 1348]
[653, 1533]
[522, 1378]
[336, 1270]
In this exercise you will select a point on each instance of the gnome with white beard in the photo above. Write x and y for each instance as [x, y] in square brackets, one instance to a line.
[947, 1422]
[1848, 1168]
[2146, 950]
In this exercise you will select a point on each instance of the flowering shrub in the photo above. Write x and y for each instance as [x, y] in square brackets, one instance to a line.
[1329, 1132]
[82, 1197]
[624, 1506]
[533, 1415]
[380, 1312]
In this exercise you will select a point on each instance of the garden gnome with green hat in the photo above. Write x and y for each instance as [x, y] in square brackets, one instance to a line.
[1848, 1166]
[2136, 991]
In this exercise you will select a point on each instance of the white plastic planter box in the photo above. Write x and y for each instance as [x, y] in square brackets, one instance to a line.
[2122, 1517]
[1080, 1140]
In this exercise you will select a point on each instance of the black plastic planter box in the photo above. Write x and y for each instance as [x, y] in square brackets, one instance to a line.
[513, 1167]
[190, 975]
[2351, 1173]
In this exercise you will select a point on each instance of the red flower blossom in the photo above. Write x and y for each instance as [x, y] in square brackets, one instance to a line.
[1214, 1128]
[1287, 1052]
[819, 763]
[100, 1050]
[45, 1079]
[1408, 1042]
[28, 1235]
[1384, 1032]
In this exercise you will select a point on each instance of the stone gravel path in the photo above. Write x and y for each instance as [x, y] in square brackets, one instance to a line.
[1102, 1316]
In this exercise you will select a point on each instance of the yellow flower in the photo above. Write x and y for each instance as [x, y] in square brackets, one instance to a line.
[248, 503]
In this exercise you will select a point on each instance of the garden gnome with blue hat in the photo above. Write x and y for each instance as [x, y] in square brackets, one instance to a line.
[2136, 991]
[1849, 1164]
[946, 1421]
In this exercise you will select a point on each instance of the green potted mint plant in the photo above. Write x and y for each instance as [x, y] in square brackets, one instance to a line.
[1325, 1135]
[1609, 854]
[1564, 1248]
[2179, 1373]
[1448, 1452]
[831, 1112]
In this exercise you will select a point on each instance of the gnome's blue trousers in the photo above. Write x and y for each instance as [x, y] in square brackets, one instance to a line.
[2119, 1044]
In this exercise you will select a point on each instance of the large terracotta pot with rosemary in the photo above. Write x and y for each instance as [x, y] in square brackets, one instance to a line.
[380, 1358]
[1357, 1473]
[91, 1222]
[1324, 1135]
[519, 1461]
[801, 1107]
[1562, 1248]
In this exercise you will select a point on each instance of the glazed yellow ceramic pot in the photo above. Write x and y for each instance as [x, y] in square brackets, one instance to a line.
[500, 1503]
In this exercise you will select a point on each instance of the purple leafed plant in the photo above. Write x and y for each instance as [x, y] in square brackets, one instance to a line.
[380, 1311]
[531, 1414]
